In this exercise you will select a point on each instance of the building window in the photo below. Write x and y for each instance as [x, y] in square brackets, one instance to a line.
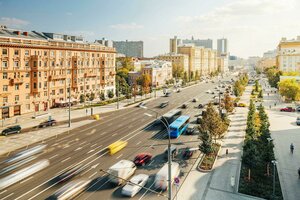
[34, 74]
[53, 92]
[51, 53]
[45, 64]
[27, 86]
[34, 63]
[26, 52]
[27, 106]
[52, 64]
[27, 96]
[17, 98]
[81, 88]
[16, 52]
[4, 64]
[45, 84]
[45, 53]
[4, 52]
[61, 91]
[5, 88]
[26, 64]
[34, 85]
[40, 63]
[40, 85]
[45, 93]
[27, 74]
[16, 64]
[4, 76]
[17, 87]
[40, 74]
[5, 99]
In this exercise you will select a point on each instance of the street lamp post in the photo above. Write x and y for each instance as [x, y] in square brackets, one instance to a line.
[274, 162]
[166, 124]
[69, 106]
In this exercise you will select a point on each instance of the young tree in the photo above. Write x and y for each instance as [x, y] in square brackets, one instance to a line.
[206, 144]
[110, 94]
[250, 158]
[290, 89]
[81, 98]
[101, 96]
[92, 96]
[228, 103]
[256, 86]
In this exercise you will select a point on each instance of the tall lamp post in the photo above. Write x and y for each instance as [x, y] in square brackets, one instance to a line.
[166, 124]
[274, 162]
[69, 105]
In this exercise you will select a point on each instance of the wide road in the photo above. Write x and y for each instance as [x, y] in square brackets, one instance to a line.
[87, 145]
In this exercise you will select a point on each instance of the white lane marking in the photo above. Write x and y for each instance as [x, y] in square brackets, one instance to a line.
[78, 149]
[86, 171]
[147, 191]
[26, 180]
[54, 144]
[82, 143]
[93, 145]
[3, 191]
[113, 135]
[66, 146]
[103, 133]
[94, 166]
[138, 143]
[66, 159]
[151, 162]
[53, 156]
[90, 151]
[93, 175]
[7, 196]
[119, 156]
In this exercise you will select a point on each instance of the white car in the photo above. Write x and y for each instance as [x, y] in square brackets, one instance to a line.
[135, 185]
[208, 91]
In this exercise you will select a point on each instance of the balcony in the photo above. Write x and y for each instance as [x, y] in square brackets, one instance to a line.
[56, 77]
[90, 74]
[14, 81]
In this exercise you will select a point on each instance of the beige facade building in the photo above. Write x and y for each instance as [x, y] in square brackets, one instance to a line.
[266, 63]
[180, 62]
[201, 60]
[159, 72]
[288, 55]
[37, 70]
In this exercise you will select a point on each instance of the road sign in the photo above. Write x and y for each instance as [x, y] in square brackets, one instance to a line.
[176, 181]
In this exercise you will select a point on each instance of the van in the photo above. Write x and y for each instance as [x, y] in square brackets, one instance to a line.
[116, 146]
[162, 176]
[123, 169]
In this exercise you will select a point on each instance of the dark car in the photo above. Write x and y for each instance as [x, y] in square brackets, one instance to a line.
[298, 109]
[187, 153]
[190, 130]
[287, 109]
[164, 104]
[11, 130]
[51, 122]
[298, 121]
[200, 106]
[70, 173]
[199, 119]
[184, 106]
[141, 104]
[142, 159]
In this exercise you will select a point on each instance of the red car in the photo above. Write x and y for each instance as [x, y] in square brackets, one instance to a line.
[287, 109]
[142, 159]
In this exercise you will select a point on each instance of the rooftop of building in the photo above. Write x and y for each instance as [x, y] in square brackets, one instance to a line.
[157, 64]
[173, 54]
[291, 40]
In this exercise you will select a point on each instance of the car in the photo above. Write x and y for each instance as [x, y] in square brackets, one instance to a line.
[297, 109]
[188, 153]
[195, 99]
[70, 173]
[178, 90]
[164, 104]
[200, 106]
[190, 130]
[50, 122]
[212, 92]
[135, 184]
[173, 151]
[298, 121]
[287, 109]
[184, 105]
[241, 105]
[208, 91]
[142, 159]
[200, 119]
[141, 104]
[11, 130]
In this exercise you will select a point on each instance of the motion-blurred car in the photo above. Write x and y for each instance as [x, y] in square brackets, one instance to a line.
[187, 153]
[70, 173]
[184, 105]
[190, 130]
[200, 119]
[195, 99]
[142, 159]
[297, 109]
[173, 151]
[208, 91]
[164, 104]
[135, 184]
[298, 121]
[200, 106]
[287, 109]
[44, 124]
[141, 104]
[11, 130]
[70, 190]
[241, 105]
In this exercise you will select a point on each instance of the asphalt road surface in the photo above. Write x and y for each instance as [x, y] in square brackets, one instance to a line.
[88, 145]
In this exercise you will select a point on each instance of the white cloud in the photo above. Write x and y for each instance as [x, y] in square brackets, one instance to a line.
[130, 26]
[13, 22]
[252, 26]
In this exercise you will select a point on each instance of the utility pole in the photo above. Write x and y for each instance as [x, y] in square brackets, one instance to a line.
[117, 88]
[274, 173]
[69, 105]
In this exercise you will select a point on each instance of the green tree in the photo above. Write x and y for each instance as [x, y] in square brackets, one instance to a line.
[206, 143]
[185, 77]
[101, 96]
[81, 98]
[273, 75]
[192, 76]
[256, 86]
[92, 96]
[177, 71]
[228, 103]
[290, 89]
[250, 158]
[110, 94]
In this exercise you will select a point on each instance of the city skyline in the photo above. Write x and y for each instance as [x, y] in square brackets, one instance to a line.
[244, 23]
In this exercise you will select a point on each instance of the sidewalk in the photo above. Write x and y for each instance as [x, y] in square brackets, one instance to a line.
[284, 131]
[216, 184]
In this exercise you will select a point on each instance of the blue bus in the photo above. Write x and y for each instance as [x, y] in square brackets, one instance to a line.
[171, 116]
[179, 126]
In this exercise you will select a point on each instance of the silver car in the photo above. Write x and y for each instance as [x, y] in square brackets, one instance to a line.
[135, 184]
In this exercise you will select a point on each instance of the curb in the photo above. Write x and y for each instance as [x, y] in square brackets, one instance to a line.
[212, 168]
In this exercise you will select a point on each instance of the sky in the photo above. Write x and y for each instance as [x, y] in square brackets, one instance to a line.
[251, 26]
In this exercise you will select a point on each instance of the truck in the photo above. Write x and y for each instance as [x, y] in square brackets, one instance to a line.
[161, 178]
[121, 171]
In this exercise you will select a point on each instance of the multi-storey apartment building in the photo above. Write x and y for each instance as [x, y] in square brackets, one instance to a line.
[180, 62]
[130, 48]
[288, 55]
[208, 43]
[39, 70]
